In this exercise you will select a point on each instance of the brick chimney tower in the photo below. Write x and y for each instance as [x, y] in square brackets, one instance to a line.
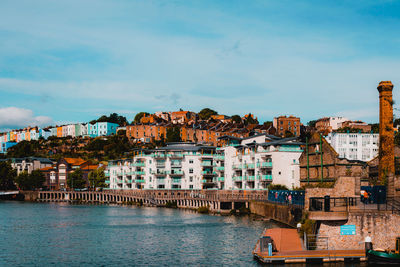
[386, 135]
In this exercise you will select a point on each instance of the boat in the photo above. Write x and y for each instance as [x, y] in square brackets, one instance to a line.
[385, 256]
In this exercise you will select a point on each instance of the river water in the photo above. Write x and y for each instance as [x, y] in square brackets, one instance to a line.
[44, 234]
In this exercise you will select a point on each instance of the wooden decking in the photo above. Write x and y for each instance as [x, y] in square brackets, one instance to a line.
[290, 250]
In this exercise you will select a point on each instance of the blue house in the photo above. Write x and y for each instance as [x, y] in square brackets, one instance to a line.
[102, 129]
[4, 146]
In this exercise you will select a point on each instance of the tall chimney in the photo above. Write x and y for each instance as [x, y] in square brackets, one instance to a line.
[386, 134]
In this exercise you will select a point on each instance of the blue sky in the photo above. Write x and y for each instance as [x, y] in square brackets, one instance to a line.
[70, 61]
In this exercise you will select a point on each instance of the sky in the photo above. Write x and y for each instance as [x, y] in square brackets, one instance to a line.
[73, 61]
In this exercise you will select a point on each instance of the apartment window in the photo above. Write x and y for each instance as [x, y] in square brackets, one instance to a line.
[191, 186]
[190, 170]
[191, 179]
[191, 161]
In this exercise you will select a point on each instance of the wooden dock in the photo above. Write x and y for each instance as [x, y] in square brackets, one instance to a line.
[289, 250]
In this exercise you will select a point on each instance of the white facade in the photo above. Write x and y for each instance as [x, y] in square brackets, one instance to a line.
[64, 130]
[256, 162]
[70, 130]
[250, 164]
[336, 122]
[355, 146]
[180, 166]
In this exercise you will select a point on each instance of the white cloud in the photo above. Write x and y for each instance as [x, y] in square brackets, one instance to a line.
[13, 117]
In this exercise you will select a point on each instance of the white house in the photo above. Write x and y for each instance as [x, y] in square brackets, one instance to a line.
[355, 146]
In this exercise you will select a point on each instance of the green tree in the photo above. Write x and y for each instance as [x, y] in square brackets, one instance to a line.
[312, 123]
[113, 118]
[173, 134]
[31, 181]
[7, 176]
[24, 149]
[250, 119]
[236, 119]
[76, 180]
[139, 116]
[97, 178]
[375, 127]
[288, 134]
[206, 113]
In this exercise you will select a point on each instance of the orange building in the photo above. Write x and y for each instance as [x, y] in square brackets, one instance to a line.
[146, 132]
[283, 124]
[59, 131]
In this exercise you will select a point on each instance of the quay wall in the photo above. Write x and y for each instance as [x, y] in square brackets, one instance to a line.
[382, 227]
[289, 215]
[30, 195]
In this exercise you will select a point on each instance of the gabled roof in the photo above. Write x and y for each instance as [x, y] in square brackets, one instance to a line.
[75, 161]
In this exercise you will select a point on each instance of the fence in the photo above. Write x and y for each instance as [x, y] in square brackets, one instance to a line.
[287, 197]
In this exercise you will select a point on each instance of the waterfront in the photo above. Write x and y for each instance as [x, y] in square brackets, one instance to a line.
[43, 234]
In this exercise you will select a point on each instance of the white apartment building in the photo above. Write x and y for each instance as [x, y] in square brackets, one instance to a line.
[255, 162]
[176, 166]
[30, 164]
[243, 164]
[355, 146]
[336, 122]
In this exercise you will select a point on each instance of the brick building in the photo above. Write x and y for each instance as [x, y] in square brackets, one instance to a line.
[283, 124]
[321, 163]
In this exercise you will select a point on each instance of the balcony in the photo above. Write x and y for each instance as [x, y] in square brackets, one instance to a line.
[139, 173]
[129, 181]
[208, 173]
[175, 155]
[139, 164]
[175, 172]
[267, 177]
[158, 155]
[207, 181]
[207, 155]
[249, 166]
[206, 163]
[138, 181]
[237, 167]
[290, 149]
[176, 181]
[237, 178]
[107, 181]
[176, 164]
[118, 181]
[219, 157]
[107, 174]
[267, 164]
[160, 172]
[250, 178]
[220, 168]
[219, 179]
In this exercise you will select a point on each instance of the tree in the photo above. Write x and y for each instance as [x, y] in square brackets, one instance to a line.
[97, 178]
[76, 180]
[236, 119]
[397, 139]
[139, 116]
[31, 181]
[206, 113]
[375, 127]
[249, 119]
[277, 187]
[312, 123]
[288, 134]
[24, 149]
[7, 176]
[113, 118]
[173, 134]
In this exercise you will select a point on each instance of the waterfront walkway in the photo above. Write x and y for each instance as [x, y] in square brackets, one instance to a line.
[216, 200]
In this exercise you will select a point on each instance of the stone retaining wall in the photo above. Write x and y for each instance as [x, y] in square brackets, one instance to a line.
[282, 213]
[382, 227]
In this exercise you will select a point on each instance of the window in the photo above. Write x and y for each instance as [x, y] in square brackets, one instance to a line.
[191, 179]
[191, 161]
[190, 170]
[191, 186]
